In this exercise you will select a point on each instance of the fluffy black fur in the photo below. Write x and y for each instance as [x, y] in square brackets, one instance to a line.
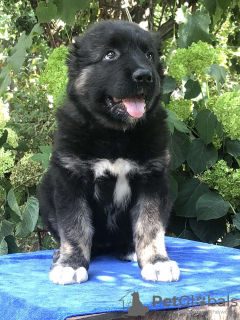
[107, 186]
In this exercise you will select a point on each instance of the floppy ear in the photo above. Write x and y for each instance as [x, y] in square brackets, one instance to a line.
[156, 37]
[72, 61]
[76, 42]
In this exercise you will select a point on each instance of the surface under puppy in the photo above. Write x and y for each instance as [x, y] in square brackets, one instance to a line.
[107, 186]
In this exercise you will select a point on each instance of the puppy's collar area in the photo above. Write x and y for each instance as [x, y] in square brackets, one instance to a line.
[135, 106]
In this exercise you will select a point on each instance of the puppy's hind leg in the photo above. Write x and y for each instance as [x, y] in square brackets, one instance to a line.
[126, 253]
[76, 233]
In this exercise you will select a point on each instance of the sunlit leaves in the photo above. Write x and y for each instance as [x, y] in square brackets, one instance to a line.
[19, 51]
[192, 27]
[218, 73]
[46, 14]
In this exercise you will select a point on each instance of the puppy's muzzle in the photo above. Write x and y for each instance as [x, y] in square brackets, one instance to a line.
[142, 75]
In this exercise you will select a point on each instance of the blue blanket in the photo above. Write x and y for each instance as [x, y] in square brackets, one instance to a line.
[209, 274]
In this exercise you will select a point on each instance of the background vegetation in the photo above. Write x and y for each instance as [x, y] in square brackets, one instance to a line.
[201, 55]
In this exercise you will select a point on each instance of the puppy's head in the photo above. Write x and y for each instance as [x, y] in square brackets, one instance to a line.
[115, 73]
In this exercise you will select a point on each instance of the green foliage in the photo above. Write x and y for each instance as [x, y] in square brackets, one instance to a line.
[194, 60]
[6, 162]
[189, 191]
[205, 123]
[179, 144]
[211, 206]
[44, 156]
[227, 110]
[182, 108]
[29, 218]
[192, 27]
[206, 156]
[26, 173]
[7, 138]
[225, 180]
[201, 156]
[46, 14]
[27, 215]
[55, 75]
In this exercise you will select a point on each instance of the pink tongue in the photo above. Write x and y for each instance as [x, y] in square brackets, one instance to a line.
[135, 106]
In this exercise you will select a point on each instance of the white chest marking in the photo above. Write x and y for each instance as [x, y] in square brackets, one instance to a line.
[120, 168]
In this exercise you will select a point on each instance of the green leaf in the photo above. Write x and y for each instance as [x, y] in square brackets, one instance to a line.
[46, 14]
[6, 229]
[210, 6]
[200, 156]
[208, 231]
[36, 29]
[236, 220]
[67, 12]
[186, 234]
[224, 4]
[218, 73]
[18, 52]
[205, 123]
[30, 218]
[47, 242]
[5, 78]
[24, 42]
[189, 191]
[12, 246]
[173, 188]
[5, 183]
[12, 202]
[233, 147]
[178, 147]
[3, 138]
[219, 129]
[211, 206]
[31, 213]
[193, 89]
[231, 240]
[192, 27]
[17, 59]
[43, 157]
[169, 84]
[217, 15]
[3, 247]
[174, 122]
[46, 149]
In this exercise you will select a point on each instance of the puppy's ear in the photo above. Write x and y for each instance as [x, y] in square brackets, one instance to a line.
[76, 42]
[157, 41]
[72, 59]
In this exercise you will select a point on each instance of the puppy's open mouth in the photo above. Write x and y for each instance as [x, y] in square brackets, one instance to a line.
[135, 106]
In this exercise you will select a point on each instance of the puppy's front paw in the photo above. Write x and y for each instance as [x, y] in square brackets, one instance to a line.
[166, 271]
[67, 275]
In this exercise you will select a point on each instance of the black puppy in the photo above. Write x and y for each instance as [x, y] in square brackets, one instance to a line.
[107, 186]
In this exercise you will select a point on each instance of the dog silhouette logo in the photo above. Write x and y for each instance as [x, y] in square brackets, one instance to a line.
[137, 308]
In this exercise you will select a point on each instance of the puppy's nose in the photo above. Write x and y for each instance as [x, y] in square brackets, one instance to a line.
[141, 75]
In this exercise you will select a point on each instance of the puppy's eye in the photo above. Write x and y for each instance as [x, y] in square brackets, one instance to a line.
[111, 55]
[149, 55]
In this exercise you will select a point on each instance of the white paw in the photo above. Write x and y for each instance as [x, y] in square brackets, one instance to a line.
[166, 271]
[67, 275]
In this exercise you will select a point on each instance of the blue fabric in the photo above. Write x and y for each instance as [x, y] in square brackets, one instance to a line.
[27, 293]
